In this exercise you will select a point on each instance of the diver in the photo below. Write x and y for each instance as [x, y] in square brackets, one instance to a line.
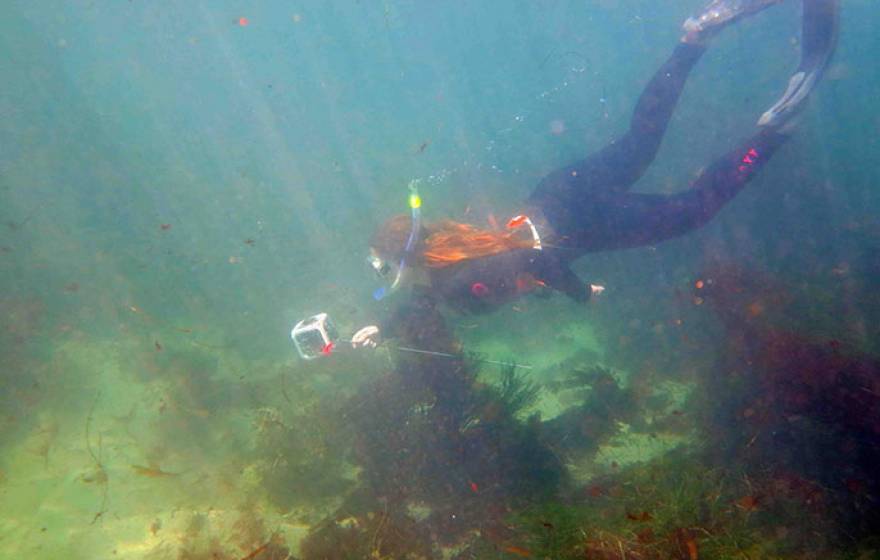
[587, 206]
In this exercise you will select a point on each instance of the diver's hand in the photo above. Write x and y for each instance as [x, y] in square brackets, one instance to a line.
[596, 289]
[367, 337]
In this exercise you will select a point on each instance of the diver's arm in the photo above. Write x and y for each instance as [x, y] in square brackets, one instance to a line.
[419, 303]
[568, 283]
[367, 337]
[558, 276]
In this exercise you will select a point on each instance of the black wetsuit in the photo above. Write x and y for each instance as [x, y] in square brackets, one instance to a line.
[487, 283]
[586, 206]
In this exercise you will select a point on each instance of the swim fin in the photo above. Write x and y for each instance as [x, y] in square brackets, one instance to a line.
[718, 15]
[821, 23]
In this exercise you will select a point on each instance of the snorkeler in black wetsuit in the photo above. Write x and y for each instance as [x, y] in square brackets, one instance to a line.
[587, 206]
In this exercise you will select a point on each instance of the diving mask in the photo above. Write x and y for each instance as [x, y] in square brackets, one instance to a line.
[380, 266]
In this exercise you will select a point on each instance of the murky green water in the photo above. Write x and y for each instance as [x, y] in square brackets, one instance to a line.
[180, 183]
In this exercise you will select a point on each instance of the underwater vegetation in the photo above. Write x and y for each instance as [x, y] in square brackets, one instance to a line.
[374, 535]
[772, 454]
[802, 406]
[447, 462]
[300, 458]
[247, 538]
[675, 507]
[603, 403]
[516, 392]
[774, 446]
[779, 461]
[439, 454]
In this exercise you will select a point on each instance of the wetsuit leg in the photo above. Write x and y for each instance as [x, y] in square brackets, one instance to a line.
[620, 164]
[621, 220]
[624, 161]
[585, 220]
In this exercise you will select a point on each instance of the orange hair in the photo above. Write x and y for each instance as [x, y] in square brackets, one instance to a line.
[447, 242]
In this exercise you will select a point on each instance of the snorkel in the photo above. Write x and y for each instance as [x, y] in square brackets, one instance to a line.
[415, 205]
